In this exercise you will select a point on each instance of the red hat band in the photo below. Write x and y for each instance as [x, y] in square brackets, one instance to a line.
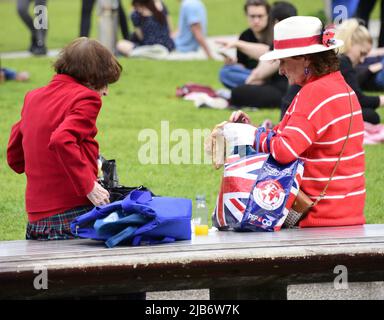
[296, 43]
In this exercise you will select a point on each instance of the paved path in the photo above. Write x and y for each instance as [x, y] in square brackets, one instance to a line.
[199, 55]
[321, 291]
[374, 28]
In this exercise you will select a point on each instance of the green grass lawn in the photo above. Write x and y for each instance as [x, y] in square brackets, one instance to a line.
[144, 96]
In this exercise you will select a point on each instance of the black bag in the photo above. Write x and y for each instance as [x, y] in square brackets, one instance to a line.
[110, 181]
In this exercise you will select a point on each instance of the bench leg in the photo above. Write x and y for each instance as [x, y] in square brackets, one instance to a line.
[261, 292]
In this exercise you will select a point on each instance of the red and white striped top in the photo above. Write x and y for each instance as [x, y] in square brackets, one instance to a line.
[314, 129]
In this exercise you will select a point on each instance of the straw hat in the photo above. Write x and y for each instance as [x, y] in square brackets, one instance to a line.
[299, 35]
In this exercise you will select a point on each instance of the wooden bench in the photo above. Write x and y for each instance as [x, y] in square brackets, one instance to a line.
[233, 265]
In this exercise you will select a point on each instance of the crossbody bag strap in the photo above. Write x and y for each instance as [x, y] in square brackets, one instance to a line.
[323, 193]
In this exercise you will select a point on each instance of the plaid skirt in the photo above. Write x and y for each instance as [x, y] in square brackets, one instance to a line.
[57, 227]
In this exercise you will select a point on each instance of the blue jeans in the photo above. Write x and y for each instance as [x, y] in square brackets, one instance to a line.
[234, 75]
[379, 80]
[9, 73]
[379, 76]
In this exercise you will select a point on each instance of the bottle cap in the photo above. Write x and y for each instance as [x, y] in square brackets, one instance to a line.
[200, 197]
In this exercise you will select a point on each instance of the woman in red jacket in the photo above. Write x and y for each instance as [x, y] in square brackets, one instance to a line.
[54, 142]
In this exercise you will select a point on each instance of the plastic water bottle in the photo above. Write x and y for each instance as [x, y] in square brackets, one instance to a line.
[201, 216]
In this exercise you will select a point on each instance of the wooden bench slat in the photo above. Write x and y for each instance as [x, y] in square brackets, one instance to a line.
[77, 251]
[13, 250]
[205, 261]
[8, 248]
[20, 251]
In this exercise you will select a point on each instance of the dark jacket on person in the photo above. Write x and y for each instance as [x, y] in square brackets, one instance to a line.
[368, 103]
[242, 58]
[350, 76]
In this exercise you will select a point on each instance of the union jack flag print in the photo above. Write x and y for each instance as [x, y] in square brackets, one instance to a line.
[240, 175]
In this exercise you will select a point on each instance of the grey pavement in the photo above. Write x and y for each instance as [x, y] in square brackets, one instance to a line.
[320, 291]
[179, 295]
[26, 54]
[199, 55]
[327, 291]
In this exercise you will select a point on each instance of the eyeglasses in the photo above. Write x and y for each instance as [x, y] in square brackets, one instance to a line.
[256, 16]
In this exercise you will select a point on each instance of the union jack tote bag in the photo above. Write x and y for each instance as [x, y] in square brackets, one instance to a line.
[235, 206]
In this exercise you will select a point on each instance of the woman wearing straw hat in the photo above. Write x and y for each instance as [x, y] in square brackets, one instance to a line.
[323, 126]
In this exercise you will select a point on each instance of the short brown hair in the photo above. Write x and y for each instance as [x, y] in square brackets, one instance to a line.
[322, 63]
[89, 62]
[266, 35]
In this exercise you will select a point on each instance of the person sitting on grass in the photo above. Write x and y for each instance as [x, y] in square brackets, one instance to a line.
[7, 74]
[264, 87]
[192, 30]
[152, 30]
[10, 74]
[236, 72]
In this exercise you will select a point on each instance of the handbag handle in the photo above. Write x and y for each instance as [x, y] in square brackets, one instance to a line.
[214, 156]
[324, 192]
[259, 131]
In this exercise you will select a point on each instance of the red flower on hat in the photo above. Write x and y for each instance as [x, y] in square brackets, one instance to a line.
[328, 37]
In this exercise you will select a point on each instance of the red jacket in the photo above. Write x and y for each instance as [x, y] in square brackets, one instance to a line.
[54, 145]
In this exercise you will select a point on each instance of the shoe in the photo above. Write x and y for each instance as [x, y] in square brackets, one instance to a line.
[38, 47]
[33, 43]
[214, 103]
[204, 100]
[224, 93]
[39, 50]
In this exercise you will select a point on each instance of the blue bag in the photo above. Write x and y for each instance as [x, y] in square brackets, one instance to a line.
[139, 218]
[272, 195]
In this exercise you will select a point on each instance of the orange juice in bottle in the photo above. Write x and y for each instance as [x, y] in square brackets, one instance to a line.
[201, 216]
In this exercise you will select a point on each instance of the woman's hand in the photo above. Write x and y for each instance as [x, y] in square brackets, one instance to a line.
[375, 67]
[125, 47]
[98, 196]
[227, 44]
[228, 60]
[240, 117]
